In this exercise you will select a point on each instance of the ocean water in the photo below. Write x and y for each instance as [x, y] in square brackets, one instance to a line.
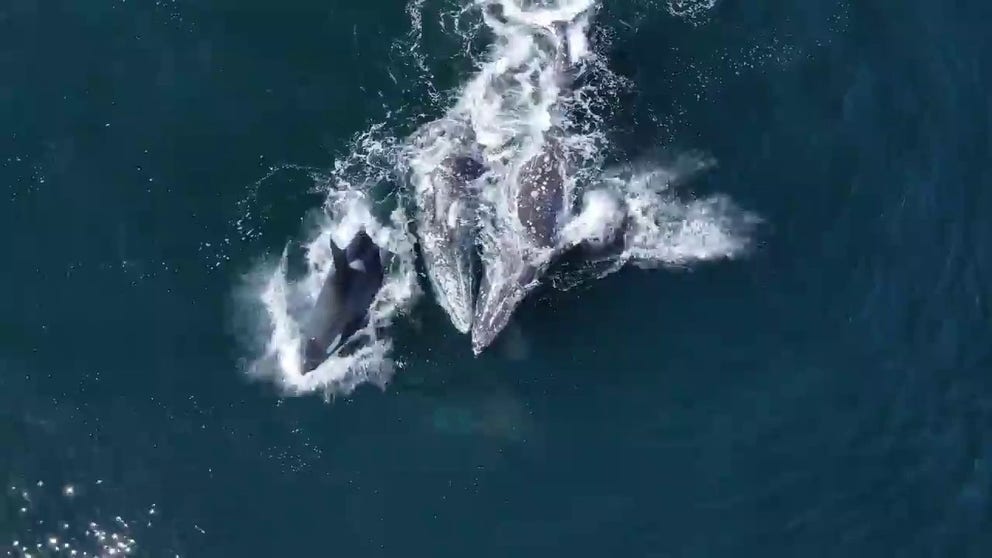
[816, 383]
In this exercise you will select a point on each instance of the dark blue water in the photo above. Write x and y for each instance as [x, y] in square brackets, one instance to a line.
[828, 395]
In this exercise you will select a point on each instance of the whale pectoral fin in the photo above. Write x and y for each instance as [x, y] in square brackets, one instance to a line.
[334, 345]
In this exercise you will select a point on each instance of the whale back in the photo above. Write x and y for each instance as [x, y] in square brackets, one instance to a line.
[540, 194]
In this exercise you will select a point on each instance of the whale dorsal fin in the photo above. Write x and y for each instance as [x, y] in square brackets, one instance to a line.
[340, 260]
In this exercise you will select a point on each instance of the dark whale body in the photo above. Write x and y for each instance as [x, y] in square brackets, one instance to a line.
[541, 194]
[343, 304]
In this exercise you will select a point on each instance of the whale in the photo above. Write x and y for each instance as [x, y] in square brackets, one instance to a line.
[444, 172]
[342, 306]
[517, 257]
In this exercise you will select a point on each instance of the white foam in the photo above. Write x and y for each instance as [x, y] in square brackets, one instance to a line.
[509, 101]
[690, 9]
[599, 221]
[663, 228]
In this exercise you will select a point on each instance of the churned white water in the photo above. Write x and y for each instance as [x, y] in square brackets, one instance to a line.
[541, 89]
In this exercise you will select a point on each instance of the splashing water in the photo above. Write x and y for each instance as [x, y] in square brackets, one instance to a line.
[542, 89]
[690, 8]
[663, 230]
[635, 216]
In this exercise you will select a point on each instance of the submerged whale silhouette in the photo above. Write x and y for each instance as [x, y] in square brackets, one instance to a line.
[343, 304]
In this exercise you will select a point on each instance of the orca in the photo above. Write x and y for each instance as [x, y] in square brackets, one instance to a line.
[343, 304]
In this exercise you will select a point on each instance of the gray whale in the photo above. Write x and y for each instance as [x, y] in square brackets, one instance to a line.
[443, 175]
[515, 265]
